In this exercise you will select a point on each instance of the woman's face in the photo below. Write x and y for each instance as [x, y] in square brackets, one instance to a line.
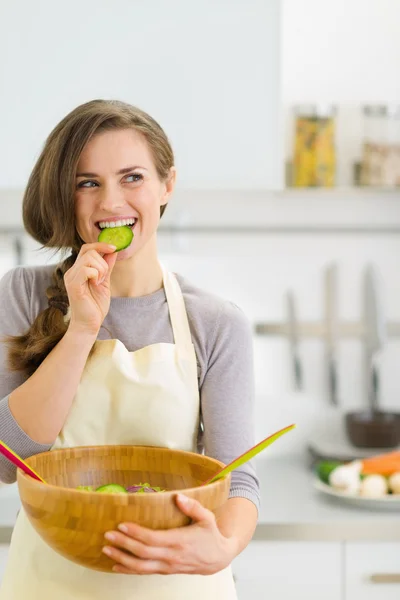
[116, 179]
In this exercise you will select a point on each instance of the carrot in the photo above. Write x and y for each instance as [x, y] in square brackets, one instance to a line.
[382, 464]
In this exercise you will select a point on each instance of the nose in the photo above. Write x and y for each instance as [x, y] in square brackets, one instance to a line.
[111, 198]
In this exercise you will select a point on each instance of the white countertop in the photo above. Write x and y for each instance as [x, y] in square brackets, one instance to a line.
[291, 509]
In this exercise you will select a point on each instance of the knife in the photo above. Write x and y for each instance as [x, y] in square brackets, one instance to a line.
[375, 333]
[331, 316]
[294, 340]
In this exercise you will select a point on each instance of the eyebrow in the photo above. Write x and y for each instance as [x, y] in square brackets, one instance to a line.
[120, 172]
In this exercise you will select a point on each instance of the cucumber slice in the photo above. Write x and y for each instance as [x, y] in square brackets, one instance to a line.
[111, 488]
[121, 237]
[85, 488]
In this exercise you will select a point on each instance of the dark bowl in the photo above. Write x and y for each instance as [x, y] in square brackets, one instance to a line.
[369, 429]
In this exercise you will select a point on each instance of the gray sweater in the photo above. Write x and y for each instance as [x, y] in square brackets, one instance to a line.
[224, 348]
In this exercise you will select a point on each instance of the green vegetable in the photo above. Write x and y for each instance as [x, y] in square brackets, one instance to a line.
[325, 468]
[85, 488]
[121, 237]
[112, 488]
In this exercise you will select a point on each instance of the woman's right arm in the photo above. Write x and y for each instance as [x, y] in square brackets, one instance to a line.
[40, 405]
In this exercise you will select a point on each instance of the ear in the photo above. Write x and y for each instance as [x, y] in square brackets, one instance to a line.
[169, 186]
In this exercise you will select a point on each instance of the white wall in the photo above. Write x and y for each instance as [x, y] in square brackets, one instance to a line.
[208, 71]
[345, 52]
[255, 271]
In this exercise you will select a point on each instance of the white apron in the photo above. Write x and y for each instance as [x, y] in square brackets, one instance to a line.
[147, 397]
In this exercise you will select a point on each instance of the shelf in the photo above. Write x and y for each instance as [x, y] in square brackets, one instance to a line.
[303, 211]
[346, 210]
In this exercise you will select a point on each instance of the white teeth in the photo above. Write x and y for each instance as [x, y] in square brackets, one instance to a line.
[103, 224]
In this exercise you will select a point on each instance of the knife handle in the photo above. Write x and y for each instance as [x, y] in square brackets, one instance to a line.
[297, 373]
[374, 387]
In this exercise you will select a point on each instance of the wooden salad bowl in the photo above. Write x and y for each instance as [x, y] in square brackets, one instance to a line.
[73, 522]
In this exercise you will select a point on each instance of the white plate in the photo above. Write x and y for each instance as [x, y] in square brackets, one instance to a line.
[389, 502]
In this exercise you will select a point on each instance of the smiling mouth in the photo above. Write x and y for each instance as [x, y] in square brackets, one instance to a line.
[112, 224]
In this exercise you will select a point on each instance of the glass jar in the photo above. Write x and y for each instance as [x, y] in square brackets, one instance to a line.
[391, 153]
[373, 145]
[314, 163]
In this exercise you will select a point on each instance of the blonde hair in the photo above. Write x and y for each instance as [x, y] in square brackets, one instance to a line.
[49, 212]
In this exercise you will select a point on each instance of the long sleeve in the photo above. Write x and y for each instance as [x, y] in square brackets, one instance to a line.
[227, 399]
[15, 319]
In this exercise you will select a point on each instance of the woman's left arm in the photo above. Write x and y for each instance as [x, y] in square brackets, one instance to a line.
[237, 520]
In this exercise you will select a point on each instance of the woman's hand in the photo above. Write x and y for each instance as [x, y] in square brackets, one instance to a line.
[88, 286]
[200, 548]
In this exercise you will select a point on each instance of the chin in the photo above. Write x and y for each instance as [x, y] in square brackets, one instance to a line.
[127, 253]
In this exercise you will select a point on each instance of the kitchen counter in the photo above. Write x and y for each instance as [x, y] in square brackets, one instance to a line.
[291, 509]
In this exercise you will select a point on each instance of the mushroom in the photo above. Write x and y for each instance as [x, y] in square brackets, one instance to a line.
[347, 477]
[374, 486]
[394, 482]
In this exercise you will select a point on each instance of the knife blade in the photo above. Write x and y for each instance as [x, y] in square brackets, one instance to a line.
[375, 333]
[294, 340]
[331, 316]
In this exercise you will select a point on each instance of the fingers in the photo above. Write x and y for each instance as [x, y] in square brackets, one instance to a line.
[152, 537]
[85, 274]
[139, 549]
[98, 247]
[110, 260]
[131, 564]
[78, 273]
[193, 509]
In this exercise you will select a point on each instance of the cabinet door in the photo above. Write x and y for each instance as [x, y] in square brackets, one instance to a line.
[3, 558]
[288, 570]
[372, 571]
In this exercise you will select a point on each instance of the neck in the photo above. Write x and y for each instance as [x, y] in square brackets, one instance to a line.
[139, 275]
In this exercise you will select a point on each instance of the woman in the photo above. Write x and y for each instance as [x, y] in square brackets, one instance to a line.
[190, 380]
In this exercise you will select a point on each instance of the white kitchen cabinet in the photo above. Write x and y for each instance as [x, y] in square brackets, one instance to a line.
[372, 571]
[288, 570]
[3, 558]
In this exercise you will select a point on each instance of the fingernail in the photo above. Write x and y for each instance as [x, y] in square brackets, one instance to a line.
[123, 528]
[107, 550]
[112, 247]
[183, 499]
[110, 537]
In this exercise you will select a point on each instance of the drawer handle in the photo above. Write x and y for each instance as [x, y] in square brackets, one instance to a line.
[385, 578]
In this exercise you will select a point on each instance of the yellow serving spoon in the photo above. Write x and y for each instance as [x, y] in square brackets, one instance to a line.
[18, 461]
[249, 454]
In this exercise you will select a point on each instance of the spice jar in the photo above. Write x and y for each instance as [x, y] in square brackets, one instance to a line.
[391, 153]
[373, 145]
[314, 163]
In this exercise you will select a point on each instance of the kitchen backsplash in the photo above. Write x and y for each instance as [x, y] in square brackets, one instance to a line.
[255, 270]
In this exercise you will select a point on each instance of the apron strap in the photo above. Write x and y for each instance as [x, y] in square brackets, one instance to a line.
[177, 313]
